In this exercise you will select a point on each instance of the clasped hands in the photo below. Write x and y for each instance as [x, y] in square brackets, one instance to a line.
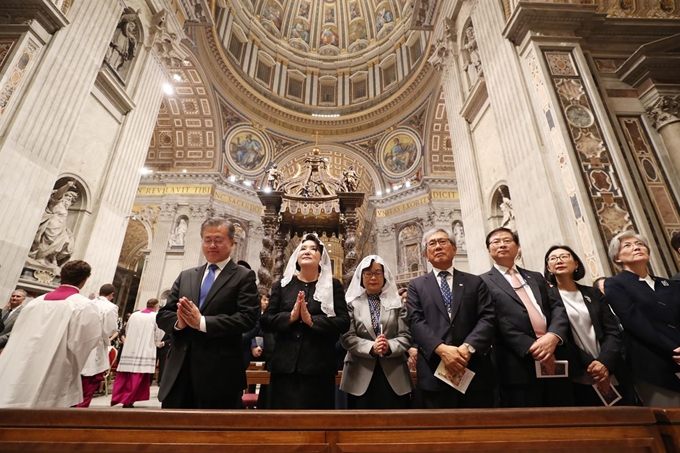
[543, 349]
[455, 358]
[381, 347]
[300, 311]
[188, 314]
[676, 358]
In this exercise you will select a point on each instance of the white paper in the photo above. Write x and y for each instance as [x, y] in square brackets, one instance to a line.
[459, 382]
[610, 397]
[561, 370]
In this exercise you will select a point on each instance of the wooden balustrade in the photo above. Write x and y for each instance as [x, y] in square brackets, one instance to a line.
[611, 430]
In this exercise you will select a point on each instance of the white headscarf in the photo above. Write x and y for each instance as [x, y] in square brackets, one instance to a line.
[389, 297]
[324, 285]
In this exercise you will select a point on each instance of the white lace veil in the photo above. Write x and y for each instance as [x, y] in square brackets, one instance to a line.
[389, 297]
[324, 285]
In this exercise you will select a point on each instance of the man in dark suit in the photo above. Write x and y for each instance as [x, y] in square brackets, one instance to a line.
[10, 314]
[453, 324]
[532, 327]
[675, 243]
[208, 309]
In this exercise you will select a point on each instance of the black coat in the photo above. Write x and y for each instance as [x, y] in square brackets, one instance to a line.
[651, 323]
[300, 348]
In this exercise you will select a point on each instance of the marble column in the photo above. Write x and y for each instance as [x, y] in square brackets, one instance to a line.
[34, 143]
[665, 114]
[122, 178]
[192, 244]
[153, 269]
[471, 200]
[537, 220]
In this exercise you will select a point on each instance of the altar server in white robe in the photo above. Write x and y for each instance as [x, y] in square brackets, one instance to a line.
[51, 340]
[137, 362]
[98, 362]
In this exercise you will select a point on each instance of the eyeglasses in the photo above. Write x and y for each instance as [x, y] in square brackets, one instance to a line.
[638, 244]
[434, 242]
[376, 274]
[498, 242]
[216, 241]
[563, 258]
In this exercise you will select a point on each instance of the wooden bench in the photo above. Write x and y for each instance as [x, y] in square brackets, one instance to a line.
[610, 430]
[669, 426]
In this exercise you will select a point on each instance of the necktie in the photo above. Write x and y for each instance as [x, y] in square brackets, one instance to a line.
[537, 321]
[7, 313]
[374, 300]
[207, 283]
[446, 291]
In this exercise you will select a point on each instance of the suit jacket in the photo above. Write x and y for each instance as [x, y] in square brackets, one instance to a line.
[300, 348]
[9, 324]
[651, 323]
[607, 334]
[472, 322]
[359, 339]
[515, 336]
[230, 309]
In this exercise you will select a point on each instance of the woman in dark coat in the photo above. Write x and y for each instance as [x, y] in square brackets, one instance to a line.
[308, 313]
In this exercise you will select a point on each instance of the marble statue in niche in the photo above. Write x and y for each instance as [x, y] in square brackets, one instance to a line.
[123, 45]
[176, 239]
[459, 234]
[53, 242]
[505, 206]
[472, 59]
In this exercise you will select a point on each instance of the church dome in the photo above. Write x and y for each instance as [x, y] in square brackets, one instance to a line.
[340, 55]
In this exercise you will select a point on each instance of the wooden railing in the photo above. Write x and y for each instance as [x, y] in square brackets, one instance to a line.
[494, 430]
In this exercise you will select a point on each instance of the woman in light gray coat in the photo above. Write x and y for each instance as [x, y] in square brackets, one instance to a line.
[376, 374]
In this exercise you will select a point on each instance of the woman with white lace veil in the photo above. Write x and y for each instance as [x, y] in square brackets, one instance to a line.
[308, 313]
[376, 374]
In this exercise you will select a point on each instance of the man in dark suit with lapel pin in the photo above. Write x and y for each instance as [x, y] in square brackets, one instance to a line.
[532, 326]
[208, 309]
[453, 324]
[10, 314]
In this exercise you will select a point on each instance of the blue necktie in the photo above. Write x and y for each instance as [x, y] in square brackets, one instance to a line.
[207, 283]
[446, 291]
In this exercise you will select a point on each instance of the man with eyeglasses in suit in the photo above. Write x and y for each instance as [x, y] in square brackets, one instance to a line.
[452, 321]
[532, 327]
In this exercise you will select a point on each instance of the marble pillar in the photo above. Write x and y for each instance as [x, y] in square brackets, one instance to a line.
[153, 269]
[35, 140]
[122, 177]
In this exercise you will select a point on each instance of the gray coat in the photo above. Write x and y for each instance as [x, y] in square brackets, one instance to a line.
[359, 339]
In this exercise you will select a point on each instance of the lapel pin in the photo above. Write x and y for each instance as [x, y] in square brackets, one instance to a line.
[587, 298]
[664, 282]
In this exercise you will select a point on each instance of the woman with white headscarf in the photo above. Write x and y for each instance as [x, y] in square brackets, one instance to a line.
[376, 374]
[307, 311]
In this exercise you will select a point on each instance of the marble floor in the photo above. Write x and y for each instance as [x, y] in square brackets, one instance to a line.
[105, 401]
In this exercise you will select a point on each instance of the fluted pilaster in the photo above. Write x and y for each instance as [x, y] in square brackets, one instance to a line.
[153, 271]
[122, 179]
[192, 243]
[522, 149]
[35, 141]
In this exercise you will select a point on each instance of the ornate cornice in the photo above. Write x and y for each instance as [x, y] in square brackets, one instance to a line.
[44, 12]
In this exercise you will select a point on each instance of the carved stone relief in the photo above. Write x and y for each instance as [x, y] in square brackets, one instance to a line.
[665, 111]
